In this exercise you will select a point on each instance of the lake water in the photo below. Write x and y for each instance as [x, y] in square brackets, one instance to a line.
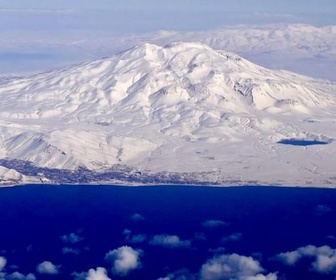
[301, 142]
[168, 230]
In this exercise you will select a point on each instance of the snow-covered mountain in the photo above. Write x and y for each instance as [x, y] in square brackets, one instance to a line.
[301, 48]
[247, 39]
[184, 109]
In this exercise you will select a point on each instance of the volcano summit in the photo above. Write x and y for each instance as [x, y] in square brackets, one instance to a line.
[183, 113]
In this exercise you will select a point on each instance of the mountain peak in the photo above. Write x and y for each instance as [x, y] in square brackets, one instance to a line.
[145, 49]
[154, 76]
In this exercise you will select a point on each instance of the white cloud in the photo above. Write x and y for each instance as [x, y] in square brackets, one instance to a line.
[3, 262]
[98, 274]
[47, 267]
[213, 224]
[169, 241]
[324, 258]
[271, 276]
[19, 276]
[325, 263]
[233, 237]
[288, 258]
[137, 217]
[182, 274]
[71, 238]
[127, 232]
[292, 257]
[124, 260]
[30, 276]
[311, 250]
[233, 266]
[137, 238]
[72, 251]
[15, 275]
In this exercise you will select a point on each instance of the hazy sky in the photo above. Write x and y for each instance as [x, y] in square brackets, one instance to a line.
[288, 6]
[39, 31]
[134, 16]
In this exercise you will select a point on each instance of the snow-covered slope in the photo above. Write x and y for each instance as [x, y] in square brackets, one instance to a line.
[181, 109]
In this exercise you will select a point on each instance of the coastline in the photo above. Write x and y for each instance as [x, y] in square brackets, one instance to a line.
[128, 184]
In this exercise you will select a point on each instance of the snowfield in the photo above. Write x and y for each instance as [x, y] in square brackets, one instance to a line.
[184, 111]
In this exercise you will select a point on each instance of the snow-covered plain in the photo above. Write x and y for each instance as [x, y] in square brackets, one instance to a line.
[199, 114]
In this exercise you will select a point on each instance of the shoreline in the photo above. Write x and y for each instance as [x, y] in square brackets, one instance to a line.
[158, 184]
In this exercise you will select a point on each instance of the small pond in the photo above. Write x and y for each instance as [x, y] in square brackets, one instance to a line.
[302, 142]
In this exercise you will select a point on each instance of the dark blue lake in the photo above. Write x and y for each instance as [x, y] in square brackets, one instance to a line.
[167, 231]
[302, 142]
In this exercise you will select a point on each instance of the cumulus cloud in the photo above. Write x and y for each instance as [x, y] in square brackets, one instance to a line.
[71, 251]
[169, 241]
[71, 238]
[234, 266]
[3, 262]
[137, 217]
[126, 231]
[324, 258]
[288, 258]
[292, 257]
[15, 275]
[325, 264]
[137, 238]
[93, 274]
[271, 276]
[213, 224]
[98, 274]
[233, 237]
[19, 276]
[47, 267]
[124, 260]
